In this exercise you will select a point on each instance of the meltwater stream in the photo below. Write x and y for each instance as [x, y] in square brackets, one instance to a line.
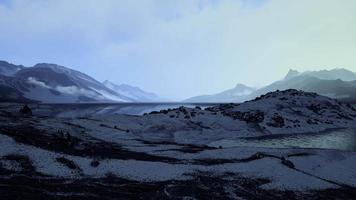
[341, 139]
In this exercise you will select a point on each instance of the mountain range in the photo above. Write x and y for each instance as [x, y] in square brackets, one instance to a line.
[230, 95]
[51, 83]
[133, 92]
[335, 83]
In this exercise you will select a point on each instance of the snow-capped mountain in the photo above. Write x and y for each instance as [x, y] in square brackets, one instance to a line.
[51, 83]
[132, 92]
[231, 95]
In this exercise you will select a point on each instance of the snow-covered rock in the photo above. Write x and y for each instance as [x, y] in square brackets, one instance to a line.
[291, 111]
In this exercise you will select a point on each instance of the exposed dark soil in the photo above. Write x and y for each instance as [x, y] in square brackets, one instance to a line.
[202, 186]
[93, 148]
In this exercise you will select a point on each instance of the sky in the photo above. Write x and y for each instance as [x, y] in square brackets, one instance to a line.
[181, 48]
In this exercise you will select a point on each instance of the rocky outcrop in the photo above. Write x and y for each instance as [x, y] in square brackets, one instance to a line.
[25, 110]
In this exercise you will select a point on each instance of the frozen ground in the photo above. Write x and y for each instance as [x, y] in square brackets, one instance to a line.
[182, 153]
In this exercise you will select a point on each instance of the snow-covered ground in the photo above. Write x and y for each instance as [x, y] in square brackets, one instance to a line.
[181, 152]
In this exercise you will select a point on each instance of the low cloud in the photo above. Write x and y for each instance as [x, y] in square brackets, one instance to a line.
[71, 90]
[36, 82]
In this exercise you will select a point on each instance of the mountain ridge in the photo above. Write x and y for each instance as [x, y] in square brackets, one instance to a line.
[336, 83]
[52, 83]
[133, 92]
[229, 95]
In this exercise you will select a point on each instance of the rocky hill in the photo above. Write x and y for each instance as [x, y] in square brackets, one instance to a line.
[292, 111]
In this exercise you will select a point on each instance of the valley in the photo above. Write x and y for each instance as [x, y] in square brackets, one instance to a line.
[186, 152]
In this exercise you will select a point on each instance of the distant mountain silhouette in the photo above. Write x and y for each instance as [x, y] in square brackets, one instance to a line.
[51, 83]
[335, 83]
[231, 95]
[338, 73]
[132, 92]
[291, 74]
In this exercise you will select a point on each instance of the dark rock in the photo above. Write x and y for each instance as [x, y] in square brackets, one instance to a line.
[68, 137]
[277, 121]
[94, 163]
[66, 140]
[24, 161]
[69, 163]
[25, 110]
[253, 117]
[183, 110]
[287, 163]
[258, 155]
[164, 111]
[328, 122]
[249, 116]
[310, 121]
[315, 108]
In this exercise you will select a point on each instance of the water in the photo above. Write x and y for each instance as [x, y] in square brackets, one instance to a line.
[89, 110]
[342, 139]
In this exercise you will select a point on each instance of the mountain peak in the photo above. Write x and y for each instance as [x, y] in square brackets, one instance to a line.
[291, 73]
[240, 85]
[9, 69]
[107, 82]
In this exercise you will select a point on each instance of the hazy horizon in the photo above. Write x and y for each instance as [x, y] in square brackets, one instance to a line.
[180, 49]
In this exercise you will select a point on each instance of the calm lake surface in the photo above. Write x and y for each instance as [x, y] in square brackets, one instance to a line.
[342, 139]
[88, 110]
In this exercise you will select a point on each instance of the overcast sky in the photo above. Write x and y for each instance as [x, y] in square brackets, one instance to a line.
[181, 48]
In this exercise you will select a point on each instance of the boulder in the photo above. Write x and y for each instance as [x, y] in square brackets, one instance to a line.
[25, 110]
